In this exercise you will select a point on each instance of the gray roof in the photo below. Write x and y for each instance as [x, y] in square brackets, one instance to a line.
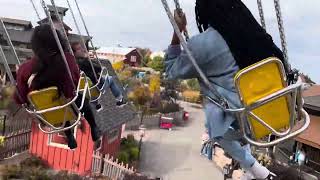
[22, 54]
[111, 116]
[25, 36]
[61, 10]
[19, 36]
[312, 102]
[16, 21]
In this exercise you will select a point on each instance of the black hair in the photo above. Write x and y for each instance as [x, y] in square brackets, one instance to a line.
[247, 40]
[47, 56]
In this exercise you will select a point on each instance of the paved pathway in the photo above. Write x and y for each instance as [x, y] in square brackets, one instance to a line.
[174, 155]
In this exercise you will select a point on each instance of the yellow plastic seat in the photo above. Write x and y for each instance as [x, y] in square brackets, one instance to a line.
[259, 81]
[94, 91]
[49, 98]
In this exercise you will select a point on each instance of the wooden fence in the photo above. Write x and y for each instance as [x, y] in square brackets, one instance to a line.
[16, 129]
[109, 167]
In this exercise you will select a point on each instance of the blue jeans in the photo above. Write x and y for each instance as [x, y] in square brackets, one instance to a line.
[230, 142]
[108, 82]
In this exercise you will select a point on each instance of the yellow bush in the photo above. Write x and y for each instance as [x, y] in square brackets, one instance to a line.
[154, 84]
[2, 138]
[191, 96]
[118, 66]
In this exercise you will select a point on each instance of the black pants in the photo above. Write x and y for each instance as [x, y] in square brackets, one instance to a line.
[88, 115]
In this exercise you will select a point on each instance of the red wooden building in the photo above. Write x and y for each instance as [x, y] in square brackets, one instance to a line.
[53, 149]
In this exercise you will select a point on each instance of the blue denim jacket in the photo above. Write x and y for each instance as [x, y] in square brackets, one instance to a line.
[216, 61]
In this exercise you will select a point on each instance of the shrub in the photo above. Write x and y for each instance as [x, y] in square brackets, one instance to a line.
[154, 84]
[168, 107]
[191, 96]
[123, 157]
[133, 154]
[193, 84]
[118, 66]
[2, 139]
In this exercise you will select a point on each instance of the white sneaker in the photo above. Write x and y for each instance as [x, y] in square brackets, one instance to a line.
[247, 176]
[261, 172]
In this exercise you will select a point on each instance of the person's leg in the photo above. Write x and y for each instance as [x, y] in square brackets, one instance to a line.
[230, 143]
[89, 116]
[72, 143]
[116, 91]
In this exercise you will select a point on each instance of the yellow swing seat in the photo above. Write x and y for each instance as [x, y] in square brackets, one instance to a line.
[53, 110]
[269, 104]
[94, 92]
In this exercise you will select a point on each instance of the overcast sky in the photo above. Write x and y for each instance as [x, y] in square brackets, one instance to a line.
[144, 23]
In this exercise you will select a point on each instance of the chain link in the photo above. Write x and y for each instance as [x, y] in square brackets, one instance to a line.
[178, 7]
[35, 9]
[282, 33]
[260, 7]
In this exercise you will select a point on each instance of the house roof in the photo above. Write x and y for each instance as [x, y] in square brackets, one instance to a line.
[115, 50]
[111, 116]
[22, 53]
[16, 21]
[310, 136]
[61, 10]
[19, 36]
[314, 90]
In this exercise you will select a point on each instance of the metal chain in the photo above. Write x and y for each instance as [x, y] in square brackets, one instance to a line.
[282, 34]
[47, 12]
[88, 34]
[35, 9]
[178, 7]
[6, 66]
[219, 100]
[62, 25]
[260, 7]
[10, 42]
[82, 39]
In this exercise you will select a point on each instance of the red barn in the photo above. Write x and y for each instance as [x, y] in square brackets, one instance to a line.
[53, 149]
[130, 56]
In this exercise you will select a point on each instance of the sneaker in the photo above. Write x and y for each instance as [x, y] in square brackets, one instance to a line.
[99, 107]
[121, 103]
[72, 143]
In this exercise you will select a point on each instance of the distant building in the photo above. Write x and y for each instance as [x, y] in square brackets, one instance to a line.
[130, 56]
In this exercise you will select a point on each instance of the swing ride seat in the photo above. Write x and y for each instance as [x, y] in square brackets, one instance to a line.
[269, 104]
[94, 91]
[47, 99]
[53, 110]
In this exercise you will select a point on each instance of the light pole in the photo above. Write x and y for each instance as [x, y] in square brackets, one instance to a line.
[142, 131]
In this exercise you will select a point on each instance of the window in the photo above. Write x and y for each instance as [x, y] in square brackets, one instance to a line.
[133, 59]
[113, 135]
[60, 139]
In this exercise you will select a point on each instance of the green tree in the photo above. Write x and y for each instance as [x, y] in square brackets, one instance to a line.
[157, 63]
[193, 84]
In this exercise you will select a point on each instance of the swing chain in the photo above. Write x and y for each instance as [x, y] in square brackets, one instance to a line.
[178, 7]
[219, 100]
[260, 7]
[35, 9]
[282, 33]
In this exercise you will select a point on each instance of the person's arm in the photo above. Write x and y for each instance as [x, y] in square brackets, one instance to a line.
[21, 91]
[177, 63]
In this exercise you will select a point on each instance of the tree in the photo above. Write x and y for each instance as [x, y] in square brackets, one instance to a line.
[157, 64]
[145, 53]
[193, 84]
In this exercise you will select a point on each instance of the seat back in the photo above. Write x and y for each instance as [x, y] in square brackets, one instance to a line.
[49, 98]
[259, 81]
[94, 92]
